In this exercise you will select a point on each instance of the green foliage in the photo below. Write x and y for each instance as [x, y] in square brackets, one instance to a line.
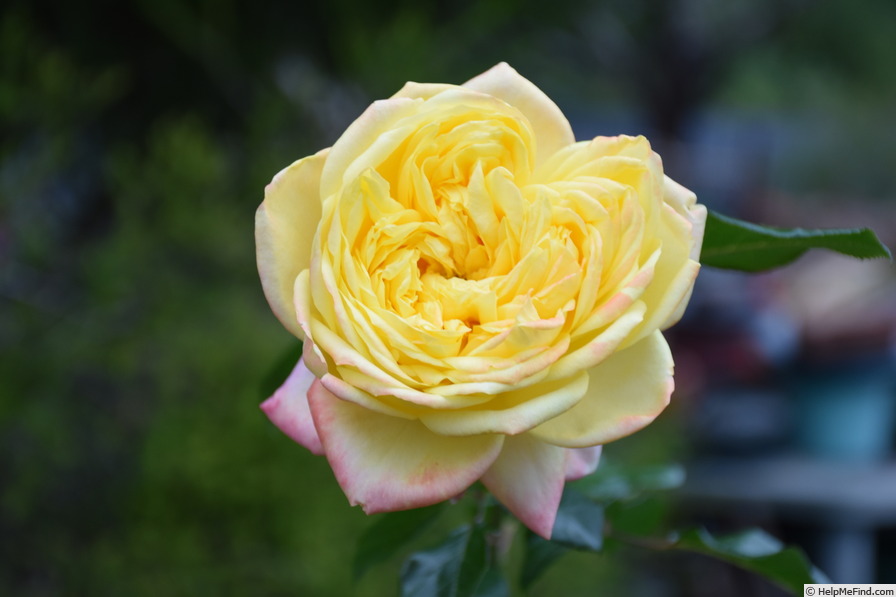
[579, 523]
[36, 81]
[631, 519]
[133, 336]
[734, 244]
[758, 552]
[539, 555]
[613, 482]
[613, 492]
[459, 567]
[389, 533]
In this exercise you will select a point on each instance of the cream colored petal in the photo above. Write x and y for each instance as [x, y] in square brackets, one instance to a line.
[675, 271]
[362, 379]
[552, 130]
[285, 224]
[529, 368]
[684, 201]
[386, 405]
[601, 346]
[313, 358]
[512, 412]
[625, 393]
[385, 464]
[682, 289]
[407, 399]
[421, 90]
[528, 478]
[367, 142]
[302, 301]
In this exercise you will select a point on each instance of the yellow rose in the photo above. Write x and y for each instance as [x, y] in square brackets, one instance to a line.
[480, 296]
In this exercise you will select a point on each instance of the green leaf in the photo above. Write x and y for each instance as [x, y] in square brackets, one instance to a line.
[579, 523]
[641, 516]
[539, 555]
[459, 567]
[756, 551]
[729, 243]
[610, 483]
[493, 584]
[389, 533]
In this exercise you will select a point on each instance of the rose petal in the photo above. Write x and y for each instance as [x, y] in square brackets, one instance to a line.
[512, 412]
[313, 359]
[285, 224]
[415, 90]
[684, 201]
[602, 345]
[581, 462]
[625, 393]
[366, 142]
[552, 130]
[288, 409]
[681, 233]
[528, 478]
[385, 463]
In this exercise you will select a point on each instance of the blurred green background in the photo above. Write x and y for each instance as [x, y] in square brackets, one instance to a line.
[135, 142]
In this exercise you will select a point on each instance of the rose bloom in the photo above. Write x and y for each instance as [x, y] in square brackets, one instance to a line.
[480, 297]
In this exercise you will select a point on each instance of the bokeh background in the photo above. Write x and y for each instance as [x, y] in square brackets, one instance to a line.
[135, 343]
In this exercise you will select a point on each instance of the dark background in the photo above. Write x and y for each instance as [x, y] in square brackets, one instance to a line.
[135, 343]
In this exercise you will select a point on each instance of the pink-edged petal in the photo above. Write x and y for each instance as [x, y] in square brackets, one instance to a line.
[285, 224]
[626, 392]
[385, 463]
[288, 409]
[528, 479]
[552, 130]
[581, 462]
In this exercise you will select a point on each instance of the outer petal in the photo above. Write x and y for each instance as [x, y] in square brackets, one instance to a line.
[367, 141]
[285, 224]
[421, 90]
[552, 130]
[528, 478]
[386, 463]
[626, 392]
[681, 231]
[684, 201]
[288, 409]
[512, 412]
[581, 462]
